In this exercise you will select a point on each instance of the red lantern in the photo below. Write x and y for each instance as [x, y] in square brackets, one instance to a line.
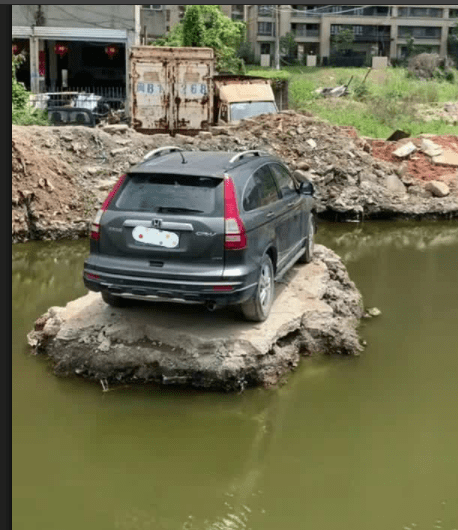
[15, 49]
[60, 49]
[111, 50]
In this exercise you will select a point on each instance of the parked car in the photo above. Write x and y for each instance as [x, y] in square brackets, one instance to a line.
[215, 228]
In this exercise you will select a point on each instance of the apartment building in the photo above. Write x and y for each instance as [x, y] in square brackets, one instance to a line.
[157, 20]
[377, 29]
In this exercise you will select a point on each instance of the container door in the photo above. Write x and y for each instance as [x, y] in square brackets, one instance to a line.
[193, 95]
[151, 96]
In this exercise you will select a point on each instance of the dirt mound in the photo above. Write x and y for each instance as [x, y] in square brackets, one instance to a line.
[61, 175]
[43, 188]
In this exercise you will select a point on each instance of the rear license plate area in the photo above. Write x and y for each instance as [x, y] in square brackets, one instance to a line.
[154, 237]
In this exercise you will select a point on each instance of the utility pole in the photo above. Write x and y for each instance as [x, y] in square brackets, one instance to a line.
[277, 37]
[137, 25]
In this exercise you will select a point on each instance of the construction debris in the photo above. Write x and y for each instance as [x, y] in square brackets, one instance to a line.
[355, 178]
[430, 148]
[405, 150]
[438, 189]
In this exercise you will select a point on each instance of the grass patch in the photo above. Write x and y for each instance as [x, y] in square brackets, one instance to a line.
[386, 100]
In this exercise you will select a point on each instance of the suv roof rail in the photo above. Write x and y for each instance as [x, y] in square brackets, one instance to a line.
[159, 151]
[254, 152]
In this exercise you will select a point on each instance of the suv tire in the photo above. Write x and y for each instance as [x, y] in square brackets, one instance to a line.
[112, 300]
[257, 309]
[310, 243]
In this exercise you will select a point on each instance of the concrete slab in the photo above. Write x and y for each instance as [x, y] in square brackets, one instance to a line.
[317, 309]
[447, 158]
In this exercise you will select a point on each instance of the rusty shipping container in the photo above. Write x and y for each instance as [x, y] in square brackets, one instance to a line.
[171, 89]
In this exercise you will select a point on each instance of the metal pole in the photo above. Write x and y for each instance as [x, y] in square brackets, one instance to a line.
[137, 25]
[277, 37]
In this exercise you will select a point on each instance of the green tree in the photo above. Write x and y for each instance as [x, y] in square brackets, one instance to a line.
[288, 44]
[410, 46]
[343, 41]
[207, 26]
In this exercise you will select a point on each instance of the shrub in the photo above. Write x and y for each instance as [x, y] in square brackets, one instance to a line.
[22, 113]
[428, 66]
[361, 91]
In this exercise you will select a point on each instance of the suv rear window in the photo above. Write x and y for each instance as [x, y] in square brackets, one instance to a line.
[167, 193]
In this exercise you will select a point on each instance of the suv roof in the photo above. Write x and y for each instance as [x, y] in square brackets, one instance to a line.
[199, 163]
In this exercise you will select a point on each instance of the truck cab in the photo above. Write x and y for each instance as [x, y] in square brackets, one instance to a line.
[239, 97]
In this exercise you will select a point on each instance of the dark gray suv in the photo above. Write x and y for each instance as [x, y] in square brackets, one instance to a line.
[207, 227]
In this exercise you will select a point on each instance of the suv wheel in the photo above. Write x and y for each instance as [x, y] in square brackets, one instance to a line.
[114, 301]
[310, 243]
[258, 307]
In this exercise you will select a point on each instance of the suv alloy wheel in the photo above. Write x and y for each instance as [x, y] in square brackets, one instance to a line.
[258, 307]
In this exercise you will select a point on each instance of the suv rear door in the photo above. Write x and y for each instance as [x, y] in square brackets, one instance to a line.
[166, 224]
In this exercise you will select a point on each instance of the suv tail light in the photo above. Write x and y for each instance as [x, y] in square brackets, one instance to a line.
[95, 228]
[234, 230]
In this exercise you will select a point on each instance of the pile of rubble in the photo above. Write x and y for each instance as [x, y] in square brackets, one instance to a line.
[61, 175]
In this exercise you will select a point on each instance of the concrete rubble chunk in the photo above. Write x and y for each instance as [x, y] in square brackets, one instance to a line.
[447, 158]
[430, 148]
[438, 189]
[120, 150]
[394, 184]
[374, 312]
[116, 128]
[303, 165]
[405, 150]
[317, 310]
[205, 135]
[302, 176]
[311, 143]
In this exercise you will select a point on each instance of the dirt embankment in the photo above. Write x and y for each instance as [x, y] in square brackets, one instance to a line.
[61, 175]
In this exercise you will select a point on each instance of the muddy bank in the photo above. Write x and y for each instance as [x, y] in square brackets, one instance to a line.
[317, 310]
[61, 175]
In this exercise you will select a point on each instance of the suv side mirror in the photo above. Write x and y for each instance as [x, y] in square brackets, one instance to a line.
[306, 188]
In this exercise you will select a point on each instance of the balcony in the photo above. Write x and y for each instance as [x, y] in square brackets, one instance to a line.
[404, 32]
[338, 10]
[306, 33]
[265, 10]
[418, 12]
[364, 33]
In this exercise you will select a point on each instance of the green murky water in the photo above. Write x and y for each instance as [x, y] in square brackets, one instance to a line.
[348, 444]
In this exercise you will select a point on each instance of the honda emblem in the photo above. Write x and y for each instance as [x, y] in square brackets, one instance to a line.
[156, 223]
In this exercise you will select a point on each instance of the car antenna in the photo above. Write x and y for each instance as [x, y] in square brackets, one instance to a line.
[182, 156]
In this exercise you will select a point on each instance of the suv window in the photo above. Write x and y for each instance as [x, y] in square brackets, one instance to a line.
[149, 192]
[284, 179]
[260, 190]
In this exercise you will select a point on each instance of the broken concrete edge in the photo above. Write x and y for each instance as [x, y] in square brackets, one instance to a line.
[96, 352]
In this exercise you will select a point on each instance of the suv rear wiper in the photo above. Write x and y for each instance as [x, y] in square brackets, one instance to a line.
[177, 210]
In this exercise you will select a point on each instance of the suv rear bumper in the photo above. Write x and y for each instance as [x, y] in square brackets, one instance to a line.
[142, 288]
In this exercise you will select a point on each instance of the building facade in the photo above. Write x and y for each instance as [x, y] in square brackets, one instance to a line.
[87, 45]
[378, 29]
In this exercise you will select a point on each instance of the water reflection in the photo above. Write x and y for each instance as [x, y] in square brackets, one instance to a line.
[357, 241]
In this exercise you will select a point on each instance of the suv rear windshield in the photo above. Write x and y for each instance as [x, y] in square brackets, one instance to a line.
[168, 193]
